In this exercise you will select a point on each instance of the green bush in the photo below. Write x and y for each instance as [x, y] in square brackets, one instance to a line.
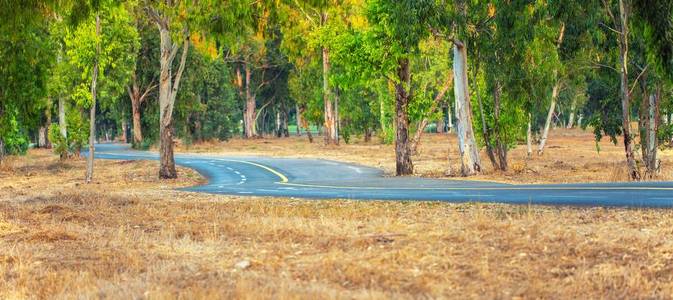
[77, 135]
[59, 143]
[14, 139]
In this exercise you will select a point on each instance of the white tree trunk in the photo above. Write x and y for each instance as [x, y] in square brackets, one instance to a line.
[470, 161]
[529, 137]
[571, 118]
[550, 115]
[62, 122]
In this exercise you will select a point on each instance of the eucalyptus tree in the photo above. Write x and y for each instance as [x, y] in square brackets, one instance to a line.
[569, 23]
[27, 55]
[397, 28]
[461, 22]
[175, 20]
[619, 13]
[144, 78]
[171, 19]
[103, 59]
[314, 17]
[653, 53]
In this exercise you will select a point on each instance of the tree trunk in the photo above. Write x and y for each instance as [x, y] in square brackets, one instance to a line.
[634, 173]
[337, 121]
[286, 131]
[403, 163]
[485, 131]
[330, 121]
[648, 134]
[500, 147]
[92, 111]
[250, 105]
[299, 122]
[571, 117]
[449, 118]
[550, 115]
[304, 123]
[469, 153]
[382, 118]
[62, 122]
[554, 96]
[529, 138]
[2, 151]
[42, 137]
[137, 100]
[124, 127]
[168, 88]
[137, 125]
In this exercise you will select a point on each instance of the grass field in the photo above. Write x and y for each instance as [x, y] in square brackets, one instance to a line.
[129, 235]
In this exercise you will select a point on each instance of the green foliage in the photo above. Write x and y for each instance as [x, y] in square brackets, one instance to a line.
[15, 140]
[59, 143]
[25, 53]
[77, 135]
[115, 60]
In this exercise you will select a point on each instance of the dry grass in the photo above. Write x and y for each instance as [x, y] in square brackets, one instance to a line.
[134, 237]
[570, 156]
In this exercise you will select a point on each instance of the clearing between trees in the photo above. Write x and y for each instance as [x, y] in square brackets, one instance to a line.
[131, 235]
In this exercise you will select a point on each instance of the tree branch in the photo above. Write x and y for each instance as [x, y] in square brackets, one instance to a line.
[181, 68]
[637, 78]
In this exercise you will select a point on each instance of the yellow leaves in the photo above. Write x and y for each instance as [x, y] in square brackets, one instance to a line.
[358, 21]
[203, 45]
[491, 10]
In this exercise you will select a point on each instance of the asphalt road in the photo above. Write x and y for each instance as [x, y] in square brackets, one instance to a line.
[317, 178]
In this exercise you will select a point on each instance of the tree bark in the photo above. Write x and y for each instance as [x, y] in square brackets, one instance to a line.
[2, 151]
[554, 96]
[124, 127]
[449, 117]
[485, 131]
[92, 111]
[137, 100]
[62, 122]
[42, 137]
[403, 163]
[529, 138]
[550, 115]
[571, 117]
[469, 153]
[500, 147]
[250, 105]
[137, 125]
[168, 88]
[299, 121]
[330, 120]
[648, 123]
[634, 173]
[302, 122]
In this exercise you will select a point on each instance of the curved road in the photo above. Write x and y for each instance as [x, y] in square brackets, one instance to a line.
[317, 178]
